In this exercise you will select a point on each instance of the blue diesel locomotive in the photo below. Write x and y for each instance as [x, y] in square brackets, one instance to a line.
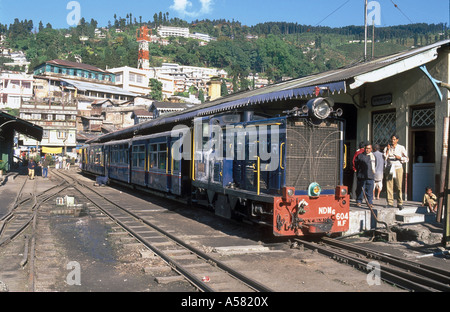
[284, 171]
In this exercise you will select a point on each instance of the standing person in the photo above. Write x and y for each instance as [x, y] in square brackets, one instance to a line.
[379, 171]
[31, 168]
[45, 167]
[365, 168]
[395, 155]
[355, 180]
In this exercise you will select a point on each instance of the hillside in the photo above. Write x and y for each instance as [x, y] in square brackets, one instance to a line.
[274, 49]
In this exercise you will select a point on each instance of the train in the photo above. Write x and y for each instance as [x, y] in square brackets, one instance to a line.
[283, 171]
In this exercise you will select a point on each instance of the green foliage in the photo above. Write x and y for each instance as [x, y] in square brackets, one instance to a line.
[156, 90]
[280, 50]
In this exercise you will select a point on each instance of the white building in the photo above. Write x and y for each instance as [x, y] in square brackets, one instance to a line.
[203, 37]
[179, 78]
[133, 79]
[165, 31]
[15, 88]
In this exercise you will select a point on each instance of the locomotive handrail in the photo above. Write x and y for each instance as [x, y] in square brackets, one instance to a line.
[345, 156]
[258, 164]
[171, 164]
[167, 160]
[193, 154]
[281, 155]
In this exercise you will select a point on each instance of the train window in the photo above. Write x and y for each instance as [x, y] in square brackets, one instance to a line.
[153, 155]
[153, 160]
[113, 155]
[162, 155]
[205, 135]
[162, 161]
[176, 165]
[139, 156]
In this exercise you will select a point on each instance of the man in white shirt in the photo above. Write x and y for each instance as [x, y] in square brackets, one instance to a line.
[395, 155]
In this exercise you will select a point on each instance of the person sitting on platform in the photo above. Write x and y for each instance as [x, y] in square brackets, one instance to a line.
[101, 181]
[430, 200]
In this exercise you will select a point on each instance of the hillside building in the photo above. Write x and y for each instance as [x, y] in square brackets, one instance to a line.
[15, 88]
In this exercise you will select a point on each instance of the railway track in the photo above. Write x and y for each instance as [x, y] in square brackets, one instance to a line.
[20, 222]
[204, 272]
[394, 270]
[24, 210]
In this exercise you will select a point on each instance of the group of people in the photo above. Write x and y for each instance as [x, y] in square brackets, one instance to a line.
[60, 162]
[32, 165]
[371, 166]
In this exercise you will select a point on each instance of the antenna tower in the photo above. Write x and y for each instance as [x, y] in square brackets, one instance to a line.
[144, 55]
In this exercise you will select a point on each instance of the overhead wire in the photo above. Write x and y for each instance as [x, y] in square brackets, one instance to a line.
[402, 11]
[332, 13]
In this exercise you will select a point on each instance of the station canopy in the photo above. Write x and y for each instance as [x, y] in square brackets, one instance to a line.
[24, 127]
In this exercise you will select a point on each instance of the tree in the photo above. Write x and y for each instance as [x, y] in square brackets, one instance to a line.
[223, 88]
[156, 89]
[201, 95]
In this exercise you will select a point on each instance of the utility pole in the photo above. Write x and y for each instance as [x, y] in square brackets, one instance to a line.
[373, 39]
[365, 30]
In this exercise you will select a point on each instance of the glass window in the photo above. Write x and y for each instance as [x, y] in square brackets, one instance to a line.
[139, 156]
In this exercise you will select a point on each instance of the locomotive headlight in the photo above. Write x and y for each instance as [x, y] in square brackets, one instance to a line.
[288, 192]
[320, 108]
[314, 189]
[341, 191]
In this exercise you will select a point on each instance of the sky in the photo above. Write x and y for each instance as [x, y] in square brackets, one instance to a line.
[333, 13]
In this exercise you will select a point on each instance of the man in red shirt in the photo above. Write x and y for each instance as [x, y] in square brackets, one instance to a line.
[355, 180]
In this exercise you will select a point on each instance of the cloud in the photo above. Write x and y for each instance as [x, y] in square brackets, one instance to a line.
[184, 7]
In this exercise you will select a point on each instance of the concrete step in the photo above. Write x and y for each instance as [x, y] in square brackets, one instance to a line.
[414, 214]
[413, 209]
[410, 217]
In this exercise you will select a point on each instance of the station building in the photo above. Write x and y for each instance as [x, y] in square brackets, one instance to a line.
[402, 94]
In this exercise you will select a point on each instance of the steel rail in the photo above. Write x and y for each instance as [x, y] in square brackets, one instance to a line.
[387, 273]
[178, 267]
[418, 268]
[10, 216]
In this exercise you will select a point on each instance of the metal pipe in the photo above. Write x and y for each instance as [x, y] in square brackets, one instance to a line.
[365, 30]
[373, 213]
[444, 169]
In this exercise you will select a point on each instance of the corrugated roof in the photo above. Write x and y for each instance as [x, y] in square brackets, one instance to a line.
[89, 86]
[333, 81]
[76, 65]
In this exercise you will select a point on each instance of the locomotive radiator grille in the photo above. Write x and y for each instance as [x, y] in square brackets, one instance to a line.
[313, 154]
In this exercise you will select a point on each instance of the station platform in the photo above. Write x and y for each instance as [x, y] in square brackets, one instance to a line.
[412, 223]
